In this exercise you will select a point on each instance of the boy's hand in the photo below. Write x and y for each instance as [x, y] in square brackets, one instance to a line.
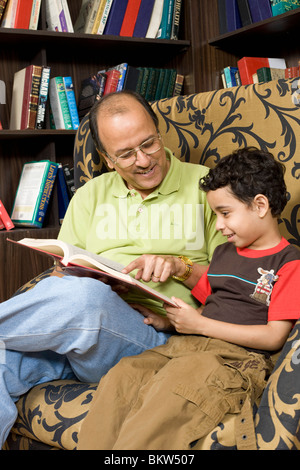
[153, 319]
[184, 318]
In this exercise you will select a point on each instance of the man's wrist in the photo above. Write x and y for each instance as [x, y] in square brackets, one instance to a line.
[188, 269]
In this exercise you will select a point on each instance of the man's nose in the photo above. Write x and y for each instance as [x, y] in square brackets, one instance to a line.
[142, 159]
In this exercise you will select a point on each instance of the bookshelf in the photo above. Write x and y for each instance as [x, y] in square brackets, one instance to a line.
[274, 37]
[78, 55]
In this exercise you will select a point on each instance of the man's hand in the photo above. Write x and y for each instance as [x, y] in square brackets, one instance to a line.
[153, 319]
[156, 268]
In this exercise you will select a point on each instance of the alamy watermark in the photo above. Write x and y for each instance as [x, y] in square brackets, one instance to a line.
[153, 222]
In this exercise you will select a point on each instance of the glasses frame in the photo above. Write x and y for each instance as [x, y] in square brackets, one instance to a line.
[135, 150]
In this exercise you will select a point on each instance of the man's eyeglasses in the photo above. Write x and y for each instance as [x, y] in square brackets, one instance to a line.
[128, 158]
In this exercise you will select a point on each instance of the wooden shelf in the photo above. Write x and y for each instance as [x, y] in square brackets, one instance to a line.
[6, 134]
[273, 37]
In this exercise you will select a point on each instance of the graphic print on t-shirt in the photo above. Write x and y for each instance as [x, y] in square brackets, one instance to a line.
[264, 286]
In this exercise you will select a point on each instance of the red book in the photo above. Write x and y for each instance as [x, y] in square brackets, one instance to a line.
[130, 17]
[23, 14]
[112, 78]
[249, 65]
[2, 226]
[5, 217]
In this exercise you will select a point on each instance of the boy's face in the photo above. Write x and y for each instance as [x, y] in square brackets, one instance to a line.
[241, 224]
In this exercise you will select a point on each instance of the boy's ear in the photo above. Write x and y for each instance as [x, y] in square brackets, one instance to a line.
[261, 204]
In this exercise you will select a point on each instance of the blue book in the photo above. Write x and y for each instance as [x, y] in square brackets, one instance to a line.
[143, 18]
[63, 198]
[233, 18]
[69, 88]
[33, 193]
[260, 10]
[115, 17]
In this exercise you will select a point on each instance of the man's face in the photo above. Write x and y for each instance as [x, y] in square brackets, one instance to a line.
[120, 133]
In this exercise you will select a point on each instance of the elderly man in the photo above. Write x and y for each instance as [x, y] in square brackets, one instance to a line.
[147, 214]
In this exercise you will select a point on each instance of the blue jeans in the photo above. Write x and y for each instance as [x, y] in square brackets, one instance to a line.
[65, 328]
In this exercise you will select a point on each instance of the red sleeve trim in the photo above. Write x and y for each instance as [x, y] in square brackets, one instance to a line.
[202, 289]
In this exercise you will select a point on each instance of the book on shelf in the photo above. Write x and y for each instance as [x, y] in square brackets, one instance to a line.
[2, 226]
[112, 80]
[130, 18]
[292, 72]
[43, 96]
[103, 16]
[91, 17]
[164, 31]
[3, 4]
[178, 84]
[229, 77]
[5, 218]
[143, 19]
[69, 89]
[84, 263]
[115, 17]
[282, 6]
[244, 11]
[69, 178]
[35, 14]
[155, 20]
[59, 104]
[33, 193]
[25, 95]
[8, 20]
[23, 14]
[222, 17]
[266, 74]
[260, 10]
[248, 66]
[91, 90]
[233, 19]
[58, 16]
[176, 19]
[63, 197]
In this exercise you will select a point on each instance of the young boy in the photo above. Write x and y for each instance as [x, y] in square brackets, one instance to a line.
[171, 396]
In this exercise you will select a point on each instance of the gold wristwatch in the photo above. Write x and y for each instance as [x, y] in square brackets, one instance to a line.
[188, 269]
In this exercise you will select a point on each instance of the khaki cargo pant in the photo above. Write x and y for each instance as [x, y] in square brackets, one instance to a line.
[170, 396]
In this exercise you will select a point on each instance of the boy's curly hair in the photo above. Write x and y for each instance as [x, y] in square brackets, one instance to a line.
[248, 172]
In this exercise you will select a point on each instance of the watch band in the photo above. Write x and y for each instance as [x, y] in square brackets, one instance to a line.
[188, 269]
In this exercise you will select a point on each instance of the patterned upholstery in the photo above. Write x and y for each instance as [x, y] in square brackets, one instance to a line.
[199, 128]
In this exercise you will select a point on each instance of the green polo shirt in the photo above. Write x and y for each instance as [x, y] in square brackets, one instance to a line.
[107, 218]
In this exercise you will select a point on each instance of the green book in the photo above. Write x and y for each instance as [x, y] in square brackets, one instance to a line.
[59, 104]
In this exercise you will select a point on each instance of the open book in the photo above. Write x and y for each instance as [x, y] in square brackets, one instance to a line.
[96, 265]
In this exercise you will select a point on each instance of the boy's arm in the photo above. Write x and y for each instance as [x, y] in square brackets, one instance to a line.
[269, 337]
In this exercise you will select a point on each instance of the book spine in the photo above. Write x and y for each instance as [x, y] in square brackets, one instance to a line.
[244, 10]
[178, 85]
[6, 220]
[91, 17]
[111, 81]
[2, 226]
[171, 84]
[35, 14]
[143, 19]
[115, 17]
[260, 10]
[130, 18]
[63, 197]
[105, 15]
[59, 104]
[69, 87]
[123, 71]
[176, 19]
[98, 17]
[69, 178]
[3, 4]
[67, 16]
[43, 96]
[31, 96]
[164, 31]
[23, 14]
[45, 195]
[10, 14]
[52, 16]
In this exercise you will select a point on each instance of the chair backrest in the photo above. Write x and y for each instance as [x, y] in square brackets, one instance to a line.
[204, 127]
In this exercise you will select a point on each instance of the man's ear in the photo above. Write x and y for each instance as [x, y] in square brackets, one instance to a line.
[107, 160]
[261, 204]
